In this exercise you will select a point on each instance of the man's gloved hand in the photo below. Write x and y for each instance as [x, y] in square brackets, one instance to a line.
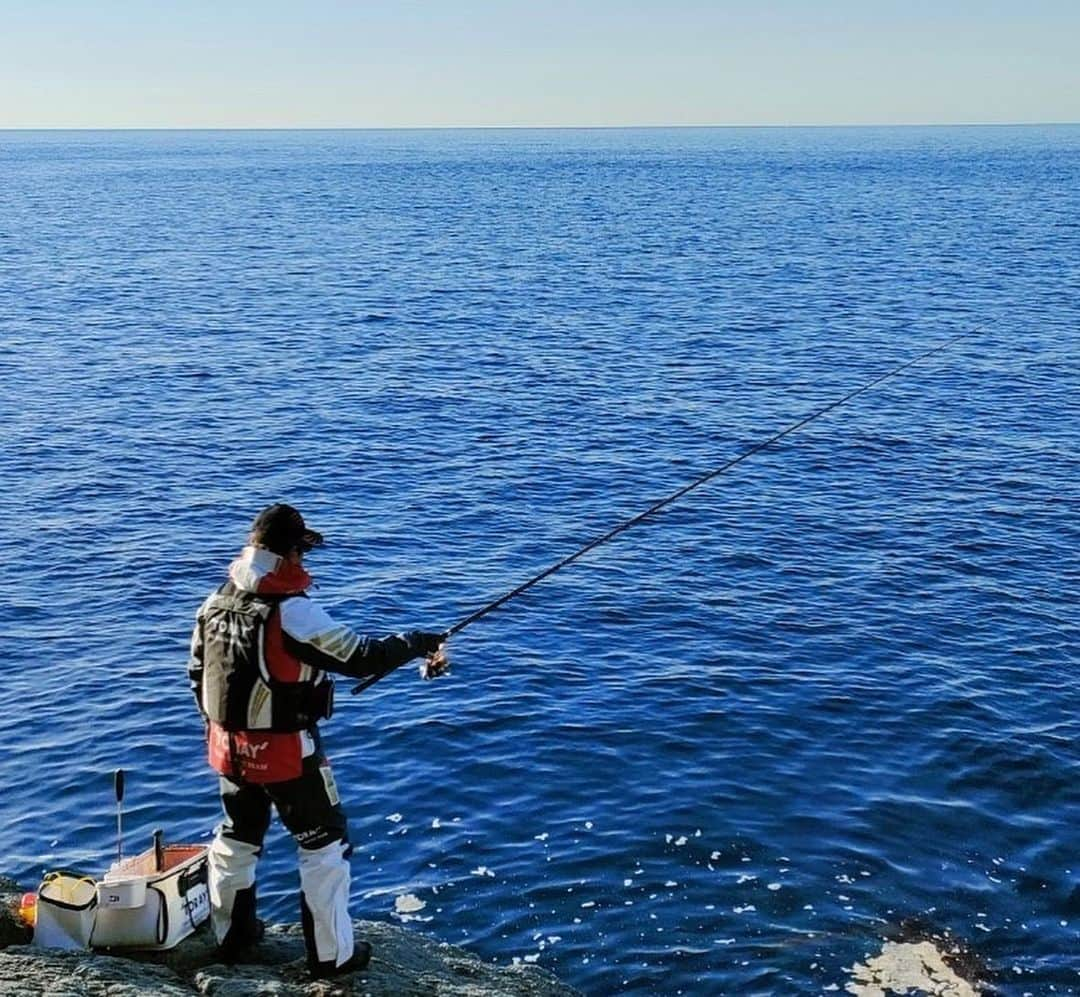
[425, 643]
[430, 645]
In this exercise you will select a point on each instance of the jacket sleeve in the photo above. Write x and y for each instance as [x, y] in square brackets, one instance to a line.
[310, 633]
[195, 662]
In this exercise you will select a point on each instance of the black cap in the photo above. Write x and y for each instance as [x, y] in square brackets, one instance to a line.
[280, 528]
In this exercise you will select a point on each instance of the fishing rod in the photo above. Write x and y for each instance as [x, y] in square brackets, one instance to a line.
[676, 495]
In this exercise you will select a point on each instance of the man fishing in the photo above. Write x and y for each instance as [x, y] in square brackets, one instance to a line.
[259, 657]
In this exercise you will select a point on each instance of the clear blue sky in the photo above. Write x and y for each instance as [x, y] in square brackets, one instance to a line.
[103, 63]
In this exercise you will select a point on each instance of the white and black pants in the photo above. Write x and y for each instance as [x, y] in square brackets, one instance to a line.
[309, 808]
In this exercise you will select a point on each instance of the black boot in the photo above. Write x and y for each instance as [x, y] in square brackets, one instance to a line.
[245, 929]
[237, 947]
[360, 958]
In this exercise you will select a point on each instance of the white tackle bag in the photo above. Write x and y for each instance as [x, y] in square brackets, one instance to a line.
[152, 901]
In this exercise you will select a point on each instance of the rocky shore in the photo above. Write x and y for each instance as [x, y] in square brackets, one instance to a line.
[404, 964]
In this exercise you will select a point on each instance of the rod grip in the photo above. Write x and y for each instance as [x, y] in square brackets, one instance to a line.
[118, 785]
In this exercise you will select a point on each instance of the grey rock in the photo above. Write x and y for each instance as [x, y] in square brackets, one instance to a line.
[26, 971]
[404, 964]
[12, 930]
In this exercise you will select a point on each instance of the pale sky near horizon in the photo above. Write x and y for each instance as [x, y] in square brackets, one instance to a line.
[330, 63]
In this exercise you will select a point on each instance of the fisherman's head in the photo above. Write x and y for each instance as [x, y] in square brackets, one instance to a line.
[281, 529]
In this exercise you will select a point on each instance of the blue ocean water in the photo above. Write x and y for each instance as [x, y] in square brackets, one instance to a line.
[724, 754]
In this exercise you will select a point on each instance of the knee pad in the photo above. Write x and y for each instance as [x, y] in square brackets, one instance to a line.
[233, 860]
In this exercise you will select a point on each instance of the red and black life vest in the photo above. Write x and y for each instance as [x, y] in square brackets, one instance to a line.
[240, 690]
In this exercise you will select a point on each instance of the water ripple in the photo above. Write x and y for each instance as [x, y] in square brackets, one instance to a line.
[729, 752]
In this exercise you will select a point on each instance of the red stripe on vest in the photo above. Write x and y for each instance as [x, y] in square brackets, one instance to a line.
[255, 756]
[281, 665]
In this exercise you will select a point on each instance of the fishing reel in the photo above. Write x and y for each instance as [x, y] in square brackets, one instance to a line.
[435, 664]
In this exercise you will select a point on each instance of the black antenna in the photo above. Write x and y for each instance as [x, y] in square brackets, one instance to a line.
[118, 788]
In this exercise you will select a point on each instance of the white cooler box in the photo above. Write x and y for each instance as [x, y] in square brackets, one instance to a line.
[152, 901]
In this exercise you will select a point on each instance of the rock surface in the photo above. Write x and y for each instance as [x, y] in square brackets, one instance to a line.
[404, 964]
[12, 931]
[908, 967]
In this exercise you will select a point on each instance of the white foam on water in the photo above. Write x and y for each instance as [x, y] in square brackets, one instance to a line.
[395, 818]
[436, 823]
[481, 870]
[907, 968]
[408, 903]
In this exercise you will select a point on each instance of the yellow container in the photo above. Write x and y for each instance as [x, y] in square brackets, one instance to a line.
[28, 909]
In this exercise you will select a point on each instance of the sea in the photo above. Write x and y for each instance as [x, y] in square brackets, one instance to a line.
[826, 698]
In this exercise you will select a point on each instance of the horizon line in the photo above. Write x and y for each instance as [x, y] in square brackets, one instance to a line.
[609, 127]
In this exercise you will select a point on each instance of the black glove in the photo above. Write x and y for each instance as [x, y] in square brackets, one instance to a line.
[425, 643]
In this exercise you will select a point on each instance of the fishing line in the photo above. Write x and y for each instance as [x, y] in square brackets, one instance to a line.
[674, 496]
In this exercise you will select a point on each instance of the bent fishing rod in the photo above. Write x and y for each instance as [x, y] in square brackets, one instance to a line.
[685, 489]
